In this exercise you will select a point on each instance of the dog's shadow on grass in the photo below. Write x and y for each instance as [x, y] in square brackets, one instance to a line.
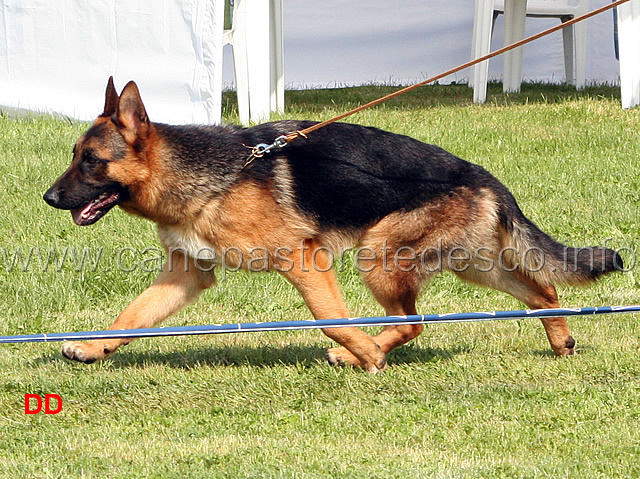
[262, 356]
[231, 356]
[580, 350]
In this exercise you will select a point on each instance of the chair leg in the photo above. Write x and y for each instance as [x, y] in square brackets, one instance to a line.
[276, 56]
[568, 36]
[482, 29]
[240, 62]
[257, 45]
[580, 42]
[515, 12]
[628, 41]
[216, 43]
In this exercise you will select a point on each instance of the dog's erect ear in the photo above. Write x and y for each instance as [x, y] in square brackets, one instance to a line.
[110, 99]
[130, 113]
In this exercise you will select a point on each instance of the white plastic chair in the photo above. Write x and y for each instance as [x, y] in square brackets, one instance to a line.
[629, 48]
[255, 35]
[515, 13]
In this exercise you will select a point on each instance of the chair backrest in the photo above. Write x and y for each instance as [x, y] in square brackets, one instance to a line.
[549, 7]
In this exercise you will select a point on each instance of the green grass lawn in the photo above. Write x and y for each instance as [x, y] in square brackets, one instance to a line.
[472, 400]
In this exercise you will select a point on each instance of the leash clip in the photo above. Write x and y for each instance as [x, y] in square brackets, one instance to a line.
[262, 149]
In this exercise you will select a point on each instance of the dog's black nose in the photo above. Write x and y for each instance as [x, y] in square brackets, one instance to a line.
[52, 197]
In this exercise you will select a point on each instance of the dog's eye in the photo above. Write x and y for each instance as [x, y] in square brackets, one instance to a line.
[89, 158]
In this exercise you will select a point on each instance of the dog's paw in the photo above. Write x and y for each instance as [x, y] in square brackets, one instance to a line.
[569, 348]
[341, 356]
[85, 352]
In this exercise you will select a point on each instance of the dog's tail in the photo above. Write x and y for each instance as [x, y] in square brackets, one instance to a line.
[531, 251]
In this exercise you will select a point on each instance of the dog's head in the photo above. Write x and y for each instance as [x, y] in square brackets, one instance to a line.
[108, 159]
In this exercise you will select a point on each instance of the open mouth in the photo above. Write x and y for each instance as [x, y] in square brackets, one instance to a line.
[96, 209]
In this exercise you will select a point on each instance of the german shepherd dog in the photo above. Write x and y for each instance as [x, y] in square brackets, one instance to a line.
[412, 208]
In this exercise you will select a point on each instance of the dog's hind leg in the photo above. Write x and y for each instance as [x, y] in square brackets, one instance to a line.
[396, 291]
[179, 283]
[395, 283]
[313, 276]
[537, 296]
[531, 293]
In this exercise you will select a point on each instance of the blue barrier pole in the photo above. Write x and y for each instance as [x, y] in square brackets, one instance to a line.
[318, 324]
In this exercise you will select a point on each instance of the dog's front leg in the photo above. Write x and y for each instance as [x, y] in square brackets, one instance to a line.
[313, 276]
[179, 283]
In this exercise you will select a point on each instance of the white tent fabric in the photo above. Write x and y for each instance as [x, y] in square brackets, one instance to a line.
[350, 42]
[57, 56]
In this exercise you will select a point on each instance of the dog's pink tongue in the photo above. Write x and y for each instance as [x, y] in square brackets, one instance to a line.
[77, 213]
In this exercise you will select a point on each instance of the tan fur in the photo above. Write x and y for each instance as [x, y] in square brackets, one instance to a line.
[258, 226]
[173, 289]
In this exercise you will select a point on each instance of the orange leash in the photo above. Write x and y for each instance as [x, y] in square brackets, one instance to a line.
[260, 150]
